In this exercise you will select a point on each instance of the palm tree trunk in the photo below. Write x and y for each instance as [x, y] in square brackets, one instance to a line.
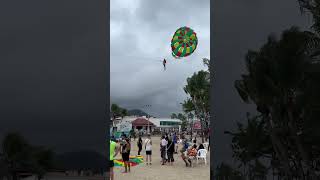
[278, 146]
[191, 128]
[298, 142]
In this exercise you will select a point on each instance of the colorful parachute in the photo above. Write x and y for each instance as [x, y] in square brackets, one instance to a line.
[184, 42]
[134, 160]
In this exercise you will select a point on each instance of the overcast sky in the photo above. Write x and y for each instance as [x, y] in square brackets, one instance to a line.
[141, 32]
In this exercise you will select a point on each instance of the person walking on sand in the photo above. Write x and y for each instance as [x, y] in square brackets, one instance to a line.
[139, 143]
[125, 152]
[114, 149]
[148, 148]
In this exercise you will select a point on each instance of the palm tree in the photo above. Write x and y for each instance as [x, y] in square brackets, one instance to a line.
[275, 83]
[174, 116]
[250, 143]
[18, 155]
[226, 172]
[124, 112]
[43, 161]
[115, 111]
[313, 7]
[15, 154]
[198, 89]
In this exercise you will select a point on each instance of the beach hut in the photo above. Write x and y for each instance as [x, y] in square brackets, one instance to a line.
[142, 124]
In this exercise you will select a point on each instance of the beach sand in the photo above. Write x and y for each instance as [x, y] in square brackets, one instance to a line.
[156, 171]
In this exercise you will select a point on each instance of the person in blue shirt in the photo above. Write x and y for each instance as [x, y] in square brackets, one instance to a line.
[175, 142]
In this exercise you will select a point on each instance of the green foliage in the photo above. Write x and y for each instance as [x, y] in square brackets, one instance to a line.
[226, 172]
[17, 154]
[174, 116]
[117, 111]
[283, 82]
[198, 89]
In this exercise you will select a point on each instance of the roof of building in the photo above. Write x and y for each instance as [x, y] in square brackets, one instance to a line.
[142, 122]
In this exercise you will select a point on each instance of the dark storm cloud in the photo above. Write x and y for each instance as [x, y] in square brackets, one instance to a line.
[141, 32]
[52, 82]
[239, 26]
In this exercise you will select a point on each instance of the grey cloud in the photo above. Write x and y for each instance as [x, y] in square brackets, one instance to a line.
[137, 76]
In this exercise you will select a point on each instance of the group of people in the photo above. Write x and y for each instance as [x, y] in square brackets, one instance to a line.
[123, 145]
[147, 146]
[188, 154]
[168, 147]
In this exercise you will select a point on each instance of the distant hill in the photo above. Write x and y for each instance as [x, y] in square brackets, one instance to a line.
[81, 160]
[137, 112]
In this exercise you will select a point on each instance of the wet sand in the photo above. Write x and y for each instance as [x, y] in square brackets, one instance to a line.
[156, 171]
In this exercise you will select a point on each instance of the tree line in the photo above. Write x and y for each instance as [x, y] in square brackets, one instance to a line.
[197, 104]
[17, 156]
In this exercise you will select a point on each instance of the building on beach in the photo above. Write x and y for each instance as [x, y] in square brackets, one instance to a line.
[166, 124]
[151, 124]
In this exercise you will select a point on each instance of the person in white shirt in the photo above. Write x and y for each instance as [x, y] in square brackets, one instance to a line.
[163, 149]
[148, 147]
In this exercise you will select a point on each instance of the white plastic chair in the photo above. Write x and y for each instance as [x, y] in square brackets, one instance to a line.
[202, 154]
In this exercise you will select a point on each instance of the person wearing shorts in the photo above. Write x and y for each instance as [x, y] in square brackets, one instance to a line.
[125, 152]
[148, 148]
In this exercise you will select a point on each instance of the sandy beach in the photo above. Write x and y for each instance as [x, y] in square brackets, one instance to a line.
[154, 172]
[163, 172]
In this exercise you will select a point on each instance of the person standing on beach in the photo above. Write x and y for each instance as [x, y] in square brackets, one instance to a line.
[114, 149]
[163, 147]
[139, 143]
[148, 147]
[175, 142]
[125, 152]
[170, 151]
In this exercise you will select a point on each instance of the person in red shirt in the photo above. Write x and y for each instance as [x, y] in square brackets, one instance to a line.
[192, 151]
